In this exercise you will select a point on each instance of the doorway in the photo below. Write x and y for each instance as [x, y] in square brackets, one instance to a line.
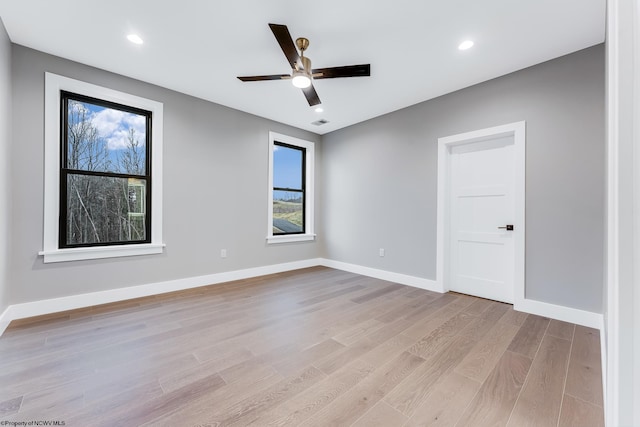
[481, 227]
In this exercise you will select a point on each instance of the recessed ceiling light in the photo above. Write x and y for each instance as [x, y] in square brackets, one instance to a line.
[465, 45]
[319, 110]
[134, 38]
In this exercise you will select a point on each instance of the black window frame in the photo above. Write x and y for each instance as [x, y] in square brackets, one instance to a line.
[303, 190]
[65, 96]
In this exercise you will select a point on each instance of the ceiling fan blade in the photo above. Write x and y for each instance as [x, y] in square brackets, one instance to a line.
[311, 95]
[362, 70]
[282, 35]
[261, 78]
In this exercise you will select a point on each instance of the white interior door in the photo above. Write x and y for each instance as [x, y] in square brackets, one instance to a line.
[481, 197]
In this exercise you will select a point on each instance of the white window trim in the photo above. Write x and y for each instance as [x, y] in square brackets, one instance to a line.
[309, 190]
[51, 252]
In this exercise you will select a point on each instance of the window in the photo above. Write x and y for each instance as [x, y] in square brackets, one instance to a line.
[288, 189]
[103, 184]
[291, 163]
[105, 173]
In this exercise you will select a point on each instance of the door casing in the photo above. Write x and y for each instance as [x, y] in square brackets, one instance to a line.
[517, 130]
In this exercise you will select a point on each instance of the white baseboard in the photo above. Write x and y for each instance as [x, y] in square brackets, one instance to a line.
[603, 361]
[54, 305]
[559, 312]
[4, 323]
[403, 279]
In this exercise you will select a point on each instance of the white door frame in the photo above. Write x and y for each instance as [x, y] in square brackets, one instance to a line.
[517, 130]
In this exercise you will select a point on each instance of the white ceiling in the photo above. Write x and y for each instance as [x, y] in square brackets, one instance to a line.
[198, 47]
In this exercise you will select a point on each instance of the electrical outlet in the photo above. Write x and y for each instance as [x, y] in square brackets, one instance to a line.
[381, 251]
[223, 253]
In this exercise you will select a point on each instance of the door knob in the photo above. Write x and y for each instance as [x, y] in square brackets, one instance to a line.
[508, 227]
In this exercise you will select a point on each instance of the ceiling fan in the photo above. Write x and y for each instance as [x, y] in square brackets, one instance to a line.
[302, 74]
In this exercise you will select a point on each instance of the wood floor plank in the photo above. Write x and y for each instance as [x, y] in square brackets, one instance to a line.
[357, 401]
[103, 386]
[142, 368]
[57, 371]
[410, 395]
[276, 354]
[253, 369]
[578, 413]
[402, 310]
[309, 356]
[10, 406]
[46, 399]
[300, 330]
[388, 331]
[104, 410]
[93, 335]
[199, 409]
[335, 361]
[465, 299]
[248, 410]
[445, 405]
[495, 311]
[418, 292]
[174, 379]
[584, 379]
[335, 316]
[497, 395]
[437, 339]
[478, 307]
[481, 359]
[429, 324]
[516, 318]
[528, 338]
[17, 348]
[381, 415]
[441, 310]
[331, 295]
[375, 294]
[358, 330]
[48, 320]
[423, 311]
[138, 414]
[222, 355]
[309, 402]
[539, 401]
[388, 350]
[560, 329]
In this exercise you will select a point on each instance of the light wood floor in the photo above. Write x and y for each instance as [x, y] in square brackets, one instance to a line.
[313, 347]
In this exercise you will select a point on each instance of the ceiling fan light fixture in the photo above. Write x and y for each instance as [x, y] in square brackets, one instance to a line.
[301, 79]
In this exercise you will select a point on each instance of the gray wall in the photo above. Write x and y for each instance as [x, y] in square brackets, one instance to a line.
[215, 189]
[376, 183]
[379, 178]
[5, 165]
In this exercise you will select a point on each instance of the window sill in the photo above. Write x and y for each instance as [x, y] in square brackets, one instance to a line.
[78, 254]
[290, 238]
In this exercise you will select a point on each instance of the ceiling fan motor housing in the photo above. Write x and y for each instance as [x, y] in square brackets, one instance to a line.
[306, 64]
